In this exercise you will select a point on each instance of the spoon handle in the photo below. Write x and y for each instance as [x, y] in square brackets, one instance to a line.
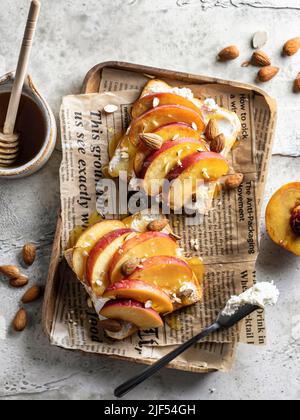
[22, 67]
[141, 377]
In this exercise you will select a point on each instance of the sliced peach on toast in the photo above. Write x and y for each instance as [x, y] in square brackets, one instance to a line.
[88, 240]
[193, 170]
[132, 311]
[158, 165]
[144, 245]
[149, 102]
[142, 292]
[167, 133]
[283, 217]
[100, 257]
[168, 273]
[161, 116]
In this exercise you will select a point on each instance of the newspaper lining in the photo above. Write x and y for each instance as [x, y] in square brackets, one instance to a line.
[228, 235]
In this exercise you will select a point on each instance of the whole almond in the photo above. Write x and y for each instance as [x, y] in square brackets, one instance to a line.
[234, 181]
[158, 225]
[29, 254]
[260, 59]
[151, 140]
[10, 271]
[218, 144]
[130, 266]
[297, 84]
[20, 321]
[229, 53]
[267, 73]
[19, 281]
[111, 325]
[212, 130]
[292, 46]
[32, 294]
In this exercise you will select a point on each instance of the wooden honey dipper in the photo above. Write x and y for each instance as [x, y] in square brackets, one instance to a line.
[9, 140]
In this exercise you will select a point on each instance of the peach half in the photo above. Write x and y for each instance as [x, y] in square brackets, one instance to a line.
[149, 102]
[133, 312]
[100, 258]
[88, 240]
[161, 116]
[142, 292]
[194, 169]
[159, 164]
[283, 217]
[142, 246]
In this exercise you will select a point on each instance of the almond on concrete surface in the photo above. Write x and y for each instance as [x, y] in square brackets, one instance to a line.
[267, 73]
[260, 58]
[32, 294]
[260, 39]
[10, 271]
[29, 254]
[291, 47]
[229, 53]
[297, 84]
[20, 281]
[20, 321]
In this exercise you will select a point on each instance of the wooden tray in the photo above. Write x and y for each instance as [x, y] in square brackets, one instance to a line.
[58, 269]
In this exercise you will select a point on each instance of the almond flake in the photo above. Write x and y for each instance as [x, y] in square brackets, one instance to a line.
[148, 304]
[110, 109]
[176, 137]
[156, 102]
[194, 126]
[205, 174]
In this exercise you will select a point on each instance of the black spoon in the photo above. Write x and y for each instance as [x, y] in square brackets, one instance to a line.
[223, 322]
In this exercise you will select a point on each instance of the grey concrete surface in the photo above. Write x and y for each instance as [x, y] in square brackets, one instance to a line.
[186, 35]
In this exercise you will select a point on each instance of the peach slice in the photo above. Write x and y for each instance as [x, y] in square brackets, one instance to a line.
[149, 102]
[167, 133]
[196, 168]
[132, 311]
[158, 165]
[144, 245]
[279, 217]
[163, 115]
[88, 240]
[142, 292]
[100, 257]
[168, 273]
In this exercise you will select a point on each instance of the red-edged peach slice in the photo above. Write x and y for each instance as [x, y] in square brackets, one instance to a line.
[88, 240]
[100, 258]
[159, 164]
[142, 292]
[163, 115]
[145, 245]
[132, 311]
[168, 273]
[194, 169]
[167, 133]
[149, 102]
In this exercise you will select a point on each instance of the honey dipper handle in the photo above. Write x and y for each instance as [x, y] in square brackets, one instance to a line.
[22, 67]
